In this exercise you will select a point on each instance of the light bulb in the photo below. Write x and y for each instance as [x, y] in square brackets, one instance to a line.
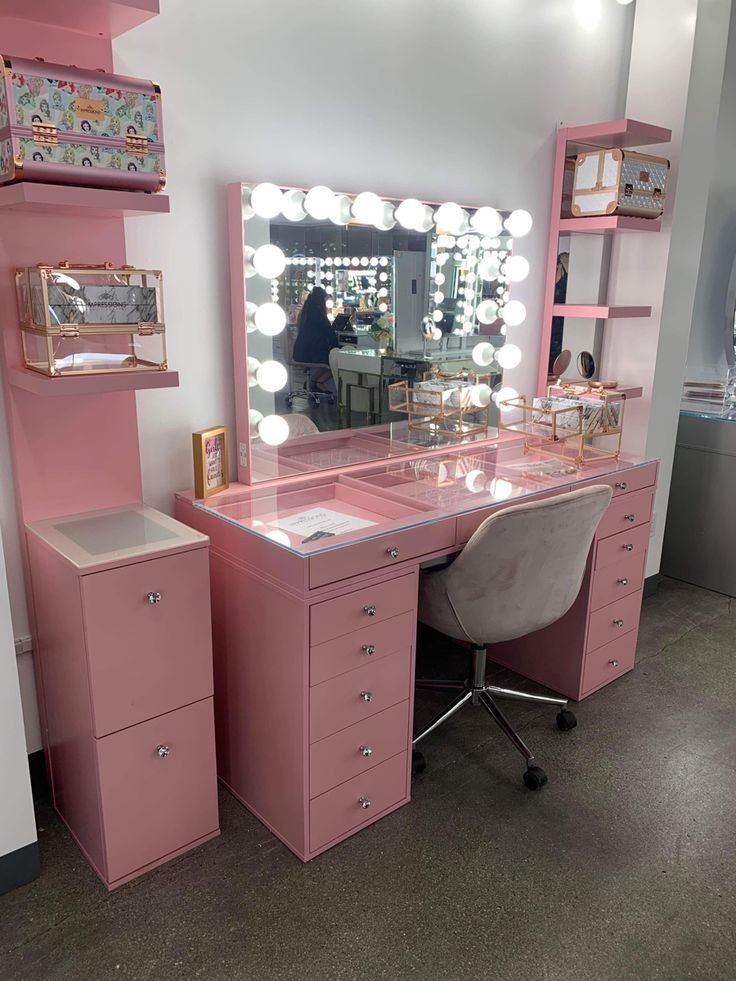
[487, 312]
[383, 307]
[438, 316]
[487, 221]
[254, 419]
[445, 241]
[374, 260]
[355, 261]
[514, 313]
[383, 291]
[500, 489]
[503, 395]
[438, 297]
[271, 376]
[270, 319]
[480, 395]
[436, 334]
[292, 205]
[328, 261]
[483, 354]
[468, 328]
[442, 258]
[339, 209]
[273, 430]
[474, 481]
[269, 261]
[250, 316]
[364, 260]
[470, 276]
[253, 364]
[383, 261]
[451, 218]
[383, 277]
[468, 309]
[410, 213]
[367, 208]
[509, 356]
[318, 202]
[266, 200]
[516, 268]
[518, 223]
[439, 278]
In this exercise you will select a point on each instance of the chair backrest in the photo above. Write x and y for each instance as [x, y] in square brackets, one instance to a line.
[524, 566]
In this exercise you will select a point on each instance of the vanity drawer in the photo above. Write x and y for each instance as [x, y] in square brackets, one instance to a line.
[607, 624]
[378, 553]
[352, 611]
[628, 511]
[358, 748]
[152, 805]
[627, 481]
[357, 801]
[353, 650]
[633, 544]
[609, 662]
[148, 658]
[359, 694]
[618, 580]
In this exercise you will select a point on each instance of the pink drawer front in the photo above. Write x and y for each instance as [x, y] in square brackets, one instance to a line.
[618, 580]
[154, 804]
[363, 607]
[378, 553]
[609, 623]
[358, 801]
[632, 544]
[628, 511]
[609, 662]
[353, 650]
[147, 658]
[627, 481]
[358, 695]
[358, 748]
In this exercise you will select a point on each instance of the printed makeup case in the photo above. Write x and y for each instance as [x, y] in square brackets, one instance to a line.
[619, 182]
[66, 125]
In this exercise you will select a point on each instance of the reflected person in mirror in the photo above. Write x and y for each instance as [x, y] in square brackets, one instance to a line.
[315, 337]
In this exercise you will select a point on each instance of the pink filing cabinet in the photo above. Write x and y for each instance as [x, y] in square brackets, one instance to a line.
[124, 659]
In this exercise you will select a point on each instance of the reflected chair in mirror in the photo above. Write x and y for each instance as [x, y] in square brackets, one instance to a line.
[307, 369]
[520, 572]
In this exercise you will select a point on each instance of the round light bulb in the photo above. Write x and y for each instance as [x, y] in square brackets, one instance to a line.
[383, 291]
[273, 430]
[442, 258]
[269, 261]
[318, 202]
[266, 200]
[383, 261]
[516, 268]
[445, 241]
[270, 319]
[439, 279]
[480, 395]
[410, 213]
[383, 307]
[451, 218]
[436, 334]
[509, 356]
[514, 313]
[518, 223]
[339, 209]
[254, 419]
[483, 354]
[500, 489]
[475, 481]
[438, 316]
[271, 376]
[487, 221]
[438, 297]
[367, 208]
[503, 395]
[292, 205]
[253, 364]
[364, 260]
[383, 277]
[487, 312]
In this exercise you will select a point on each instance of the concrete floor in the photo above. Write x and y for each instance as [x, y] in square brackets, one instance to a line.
[624, 866]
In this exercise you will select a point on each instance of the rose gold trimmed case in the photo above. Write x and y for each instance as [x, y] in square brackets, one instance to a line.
[619, 182]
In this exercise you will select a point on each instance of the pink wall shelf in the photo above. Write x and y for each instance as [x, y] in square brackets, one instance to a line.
[598, 312]
[619, 133]
[603, 224]
[94, 202]
[104, 18]
[32, 381]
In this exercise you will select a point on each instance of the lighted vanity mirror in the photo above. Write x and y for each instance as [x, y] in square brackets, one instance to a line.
[366, 327]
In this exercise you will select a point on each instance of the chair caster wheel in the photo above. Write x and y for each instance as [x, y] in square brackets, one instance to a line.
[566, 720]
[535, 778]
[418, 762]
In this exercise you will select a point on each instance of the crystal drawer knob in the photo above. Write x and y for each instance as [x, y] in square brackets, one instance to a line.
[621, 485]
[370, 610]
[629, 548]
[393, 552]
[366, 750]
[613, 662]
[618, 623]
[630, 517]
[623, 582]
[367, 696]
[153, 598]
[364, 803]
[369, 649]
[163, 751]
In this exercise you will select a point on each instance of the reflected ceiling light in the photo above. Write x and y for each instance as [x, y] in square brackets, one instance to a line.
[509, 356]
[483, 354]
[270, 319]
[451, 218]
[367, 208]
[254, 418]
[266, 200]
[318, 201]
[410, 213]
[516, 268]
[487, 221]
[339, 209]
[503, 395]
[500, 489]
[269, 261]
[588, 13]
[487, 312]
[292, 205]
[514, 313]
[518, 223]
[253, 364]
[271, 376]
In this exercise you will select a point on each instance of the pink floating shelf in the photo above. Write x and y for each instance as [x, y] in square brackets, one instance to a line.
[630, 391]
[603, 224]
[88, 202]
[32, 381]
[618, 133]
[598, 312]
[104, 18]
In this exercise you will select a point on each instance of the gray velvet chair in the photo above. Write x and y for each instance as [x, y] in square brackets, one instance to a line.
[521, 571]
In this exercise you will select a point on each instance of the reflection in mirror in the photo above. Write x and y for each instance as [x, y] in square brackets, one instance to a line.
[586, 365]
[348, 297]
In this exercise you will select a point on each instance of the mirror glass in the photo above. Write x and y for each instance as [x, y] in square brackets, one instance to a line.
[373, 326]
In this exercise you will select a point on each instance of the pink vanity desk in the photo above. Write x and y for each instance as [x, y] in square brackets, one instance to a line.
[314, 641]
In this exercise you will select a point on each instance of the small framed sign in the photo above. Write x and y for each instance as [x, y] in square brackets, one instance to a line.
[211, 465]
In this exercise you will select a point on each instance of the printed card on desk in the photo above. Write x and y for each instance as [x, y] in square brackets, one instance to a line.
[321, 523]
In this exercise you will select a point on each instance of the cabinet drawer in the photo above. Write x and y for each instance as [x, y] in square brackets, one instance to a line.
[628, 511]
[359, 694]
[378, 553]
[617, 618]
[618, 580]
[609, 662]
[363, 607]
[633, 544]
[358, 801]
[627, 481]
[353, 650]
[152, 805]
[146, 658]
[358, 748]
